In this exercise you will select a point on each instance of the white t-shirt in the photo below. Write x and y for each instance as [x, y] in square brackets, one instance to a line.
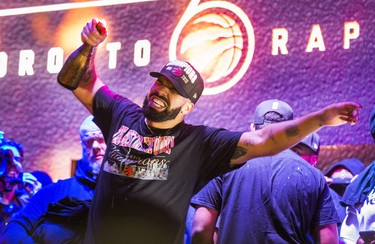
[358, 218]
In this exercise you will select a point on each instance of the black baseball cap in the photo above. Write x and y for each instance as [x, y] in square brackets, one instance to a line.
[184, 77]
[312, 141]
[353, 165]
[272, 105]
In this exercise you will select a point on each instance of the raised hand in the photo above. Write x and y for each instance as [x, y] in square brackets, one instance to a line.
[94, 32]
[340, 113]
[32, 185]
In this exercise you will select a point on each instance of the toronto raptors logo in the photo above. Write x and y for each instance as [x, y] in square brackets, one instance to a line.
[177, 71]
[217, 38]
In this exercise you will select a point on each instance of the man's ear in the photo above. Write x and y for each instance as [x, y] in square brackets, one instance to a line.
[187, 108]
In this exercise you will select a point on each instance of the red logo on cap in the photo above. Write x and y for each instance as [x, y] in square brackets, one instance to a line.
[177, 71]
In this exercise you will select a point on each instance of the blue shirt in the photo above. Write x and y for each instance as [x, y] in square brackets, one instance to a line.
[275, 199]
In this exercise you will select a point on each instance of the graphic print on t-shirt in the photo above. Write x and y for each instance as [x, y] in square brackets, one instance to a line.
[140, 157]
[370, 198]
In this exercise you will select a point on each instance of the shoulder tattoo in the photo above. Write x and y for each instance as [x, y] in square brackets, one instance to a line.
[239, 151]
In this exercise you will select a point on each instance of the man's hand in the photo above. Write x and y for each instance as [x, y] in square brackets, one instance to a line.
[94, 32]
[32, 185]
[340, 113]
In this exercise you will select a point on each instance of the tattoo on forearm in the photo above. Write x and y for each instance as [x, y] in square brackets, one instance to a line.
[292, 131]
[240, 151]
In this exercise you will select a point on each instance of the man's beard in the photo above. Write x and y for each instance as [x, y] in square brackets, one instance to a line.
[94, 167]
[156, 116]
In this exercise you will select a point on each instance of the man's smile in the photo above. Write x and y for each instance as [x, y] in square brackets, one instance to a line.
[158, 103]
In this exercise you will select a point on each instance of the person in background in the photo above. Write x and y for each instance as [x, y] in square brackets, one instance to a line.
[58, 212]
[16, 186]
[359, 200]
[309, 148]
[155, 161]
[342, 173]
[274, 199]
[339, 176]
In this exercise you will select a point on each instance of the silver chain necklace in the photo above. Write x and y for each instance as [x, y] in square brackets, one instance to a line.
[152, 132]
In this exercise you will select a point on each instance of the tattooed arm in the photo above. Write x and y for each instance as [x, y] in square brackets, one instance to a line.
[280, 136]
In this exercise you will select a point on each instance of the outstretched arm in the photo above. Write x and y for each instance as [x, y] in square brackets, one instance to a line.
[280, 136]
[79, 69]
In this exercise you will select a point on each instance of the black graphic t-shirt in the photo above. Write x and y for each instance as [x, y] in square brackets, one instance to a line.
[147, 179]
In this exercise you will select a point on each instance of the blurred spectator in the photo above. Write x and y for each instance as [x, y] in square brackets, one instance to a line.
[341, 176]
[342, 173]
[16, 186]
[58, 212]
[309, 148]
[359, 199]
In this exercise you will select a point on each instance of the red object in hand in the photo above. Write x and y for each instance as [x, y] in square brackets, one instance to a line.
[100, 28]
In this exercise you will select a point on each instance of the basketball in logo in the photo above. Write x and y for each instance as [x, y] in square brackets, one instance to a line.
[128, 171]
[218, 39]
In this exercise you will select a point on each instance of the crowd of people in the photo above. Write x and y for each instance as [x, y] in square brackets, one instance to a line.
[58, 213]
[143, 168]
[288, 200]
[16, 186]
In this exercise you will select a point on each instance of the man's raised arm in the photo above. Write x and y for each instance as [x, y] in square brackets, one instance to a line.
[79, 72]
[280, 136]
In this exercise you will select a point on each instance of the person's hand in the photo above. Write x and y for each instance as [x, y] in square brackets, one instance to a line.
[94, 32]
[340, 113]
[32, 185]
